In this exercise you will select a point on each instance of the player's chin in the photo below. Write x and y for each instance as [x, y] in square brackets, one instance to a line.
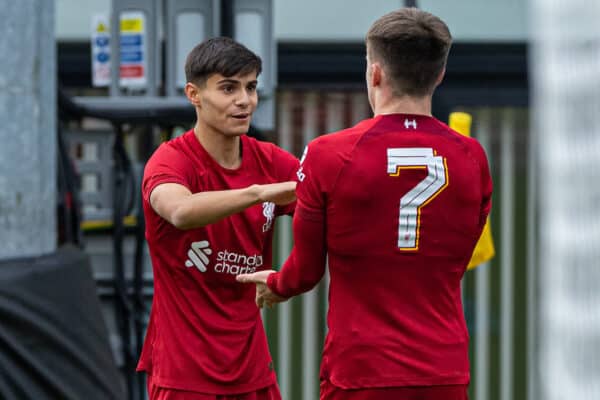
[239, 129]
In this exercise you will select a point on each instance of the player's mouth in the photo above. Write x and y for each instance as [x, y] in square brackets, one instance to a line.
[241, 116]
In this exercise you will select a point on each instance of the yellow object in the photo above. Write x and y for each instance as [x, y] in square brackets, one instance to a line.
[484, 249]
[92, 225]
[101, 28]
[132, 25]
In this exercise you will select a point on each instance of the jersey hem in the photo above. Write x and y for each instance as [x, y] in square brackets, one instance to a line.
[400, 382]
[225, 389]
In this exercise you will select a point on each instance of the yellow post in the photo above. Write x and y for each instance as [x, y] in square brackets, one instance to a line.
[484, 249]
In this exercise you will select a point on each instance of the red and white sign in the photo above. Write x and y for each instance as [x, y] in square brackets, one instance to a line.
[133, 54]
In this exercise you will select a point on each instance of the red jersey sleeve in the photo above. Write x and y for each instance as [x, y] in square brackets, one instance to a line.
[312, 177]
[165, 166]
[305, 265]
[287, 166]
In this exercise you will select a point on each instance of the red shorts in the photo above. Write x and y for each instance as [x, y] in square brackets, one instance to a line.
[163, 393]
[442, 392]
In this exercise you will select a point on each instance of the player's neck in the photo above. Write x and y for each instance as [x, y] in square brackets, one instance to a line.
[224, 149]
[402, 105]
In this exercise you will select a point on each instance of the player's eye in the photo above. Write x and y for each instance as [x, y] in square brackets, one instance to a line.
[228, 89]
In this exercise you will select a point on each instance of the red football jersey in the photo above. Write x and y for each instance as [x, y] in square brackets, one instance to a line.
[397, 203]
[205, 332]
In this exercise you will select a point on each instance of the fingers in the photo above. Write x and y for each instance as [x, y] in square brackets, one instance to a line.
[263, 301]
[265, 297]
[259, 301]
[269, 302]
[256, 277]
[246, 278]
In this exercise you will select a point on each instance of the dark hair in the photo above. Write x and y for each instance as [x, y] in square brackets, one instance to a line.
[220, 55]
[413, 47]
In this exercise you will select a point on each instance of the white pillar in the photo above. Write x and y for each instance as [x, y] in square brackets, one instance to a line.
[27, 129]
[565, 71]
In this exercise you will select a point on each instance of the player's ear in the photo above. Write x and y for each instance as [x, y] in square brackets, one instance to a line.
[376, 74]
[192, 93]
[440, 77]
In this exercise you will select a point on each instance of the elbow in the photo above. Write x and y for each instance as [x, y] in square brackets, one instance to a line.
[180, 219]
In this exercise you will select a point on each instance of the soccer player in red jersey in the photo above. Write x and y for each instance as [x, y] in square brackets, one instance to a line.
[397, 203]
[210, 199]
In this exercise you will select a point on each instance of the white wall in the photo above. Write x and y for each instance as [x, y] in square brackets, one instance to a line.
[343, 20]
[332, 20]
[349, 20]
[482, 20]
[74, 17]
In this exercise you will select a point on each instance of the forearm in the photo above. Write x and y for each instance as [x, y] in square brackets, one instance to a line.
[305, 265]
[204, 208]
[184, 210]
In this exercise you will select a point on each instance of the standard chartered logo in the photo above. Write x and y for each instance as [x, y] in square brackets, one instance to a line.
[198, 255]
[228, 262]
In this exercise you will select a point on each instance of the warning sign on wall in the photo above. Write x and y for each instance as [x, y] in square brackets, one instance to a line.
[133, 49]
[100, 46]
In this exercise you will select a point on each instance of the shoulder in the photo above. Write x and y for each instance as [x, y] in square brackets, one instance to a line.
[171, 155]
[344, 138]
[172, 147]
[455, 135]
[478, 154]
[337, 146]
[470, 145]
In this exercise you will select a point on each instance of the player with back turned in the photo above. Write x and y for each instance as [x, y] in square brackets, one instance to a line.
[397, 204]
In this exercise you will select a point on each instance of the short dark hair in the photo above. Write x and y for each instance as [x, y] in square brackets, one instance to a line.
[220, 55]
[413, 47]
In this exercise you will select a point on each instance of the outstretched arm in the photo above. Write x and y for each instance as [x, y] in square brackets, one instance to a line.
[304, 267]
[176, 204]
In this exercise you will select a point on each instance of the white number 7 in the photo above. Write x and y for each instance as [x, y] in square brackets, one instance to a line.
[411, 203]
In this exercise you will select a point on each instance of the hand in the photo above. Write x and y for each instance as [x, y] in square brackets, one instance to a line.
[264, 295]
[279, 193]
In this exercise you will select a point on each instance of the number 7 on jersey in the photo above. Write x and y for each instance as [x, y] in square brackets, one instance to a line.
[435, 181]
